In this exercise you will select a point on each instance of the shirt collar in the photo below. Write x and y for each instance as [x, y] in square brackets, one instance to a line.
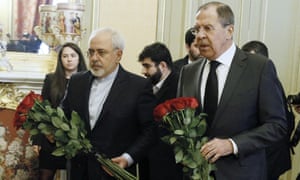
[109, 77]
[227, 57]
[161, 82]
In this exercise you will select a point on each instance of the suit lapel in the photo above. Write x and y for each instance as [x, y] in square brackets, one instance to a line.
[238, 66]
[86, 98]
[197, 83]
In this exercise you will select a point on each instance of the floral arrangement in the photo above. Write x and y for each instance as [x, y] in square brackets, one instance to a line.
[38, 117]
[17, 158]
[186, 135]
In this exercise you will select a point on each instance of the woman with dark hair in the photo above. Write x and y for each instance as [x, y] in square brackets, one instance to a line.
[69, 61]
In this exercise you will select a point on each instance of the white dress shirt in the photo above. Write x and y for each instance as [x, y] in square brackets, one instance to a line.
[222, 70]
[99, 92]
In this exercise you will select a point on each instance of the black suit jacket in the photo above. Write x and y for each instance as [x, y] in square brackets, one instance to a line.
[250, 112]
[162, 165]
[178, 64]
[125, 123]
[46, 159]
[279, 155]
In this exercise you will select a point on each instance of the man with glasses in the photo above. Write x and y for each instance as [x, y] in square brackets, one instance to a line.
[245, 113]
[115, 105]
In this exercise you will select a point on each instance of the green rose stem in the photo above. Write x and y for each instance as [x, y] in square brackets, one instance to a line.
[118, 172]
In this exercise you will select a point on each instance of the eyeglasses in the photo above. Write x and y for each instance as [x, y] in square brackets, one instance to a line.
[206, 29]
[98, 52]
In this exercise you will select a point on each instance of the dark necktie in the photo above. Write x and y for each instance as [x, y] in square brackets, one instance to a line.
[211, 92]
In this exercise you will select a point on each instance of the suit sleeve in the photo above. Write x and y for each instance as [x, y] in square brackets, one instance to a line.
[272, 125]
[148, 136]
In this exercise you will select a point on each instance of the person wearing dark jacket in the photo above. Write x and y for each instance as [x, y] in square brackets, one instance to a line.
[278, 155]
[192, 49]
[157, 66]
[116, 107]
[69, 61]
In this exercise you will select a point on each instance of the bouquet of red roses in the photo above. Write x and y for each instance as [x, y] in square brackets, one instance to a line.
[186, 135]
[38, 117]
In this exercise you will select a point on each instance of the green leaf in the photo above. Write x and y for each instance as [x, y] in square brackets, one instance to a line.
[65, 126]
[47, 130]
[42, 126]
[201, 128]
[192, 133]
[36, 116]
[179, 132]
[59, 151]
[73, 133]
[56, 121]
[34, 132]
[172, 140]
[191, 164]
[195, 122]
[49, 110]
[60, 112]
[59, 133]
[166, 139]
[179, 156]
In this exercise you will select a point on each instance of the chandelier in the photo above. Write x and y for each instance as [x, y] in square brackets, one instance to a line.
[60, 23]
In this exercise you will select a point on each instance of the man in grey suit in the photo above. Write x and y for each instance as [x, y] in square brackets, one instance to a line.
[115, 105]
[249, 115]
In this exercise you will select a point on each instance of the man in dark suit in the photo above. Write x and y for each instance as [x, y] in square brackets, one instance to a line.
[157, 66]
[278, 155]
[249, 114]
[116, 106]
[192, 50]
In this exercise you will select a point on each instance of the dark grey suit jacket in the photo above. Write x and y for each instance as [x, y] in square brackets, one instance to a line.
[178, 64]
[125, 123]
[250, 112]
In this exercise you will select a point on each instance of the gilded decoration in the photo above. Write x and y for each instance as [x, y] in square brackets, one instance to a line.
[10, 96]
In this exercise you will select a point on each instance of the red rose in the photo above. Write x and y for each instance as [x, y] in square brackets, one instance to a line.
[178, 104]
[160, 111]
[24, 107]
[192, 103]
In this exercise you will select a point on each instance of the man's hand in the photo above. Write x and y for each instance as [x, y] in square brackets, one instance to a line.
[216, 148]
[120, 161]
[36, 149]
[50, 138]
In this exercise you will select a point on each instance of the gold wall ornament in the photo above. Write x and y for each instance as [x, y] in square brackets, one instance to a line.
[10, 96]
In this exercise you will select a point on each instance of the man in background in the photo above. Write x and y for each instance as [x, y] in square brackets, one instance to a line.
[157, 66]
[192, 50]
[278, 155]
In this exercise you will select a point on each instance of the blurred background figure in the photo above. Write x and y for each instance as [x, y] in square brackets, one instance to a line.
[278, 155]
[69, 61]
[193, 52]
[157, 66]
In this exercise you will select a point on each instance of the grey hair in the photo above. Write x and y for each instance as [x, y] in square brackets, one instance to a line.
[116, 38]
[225, 13]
